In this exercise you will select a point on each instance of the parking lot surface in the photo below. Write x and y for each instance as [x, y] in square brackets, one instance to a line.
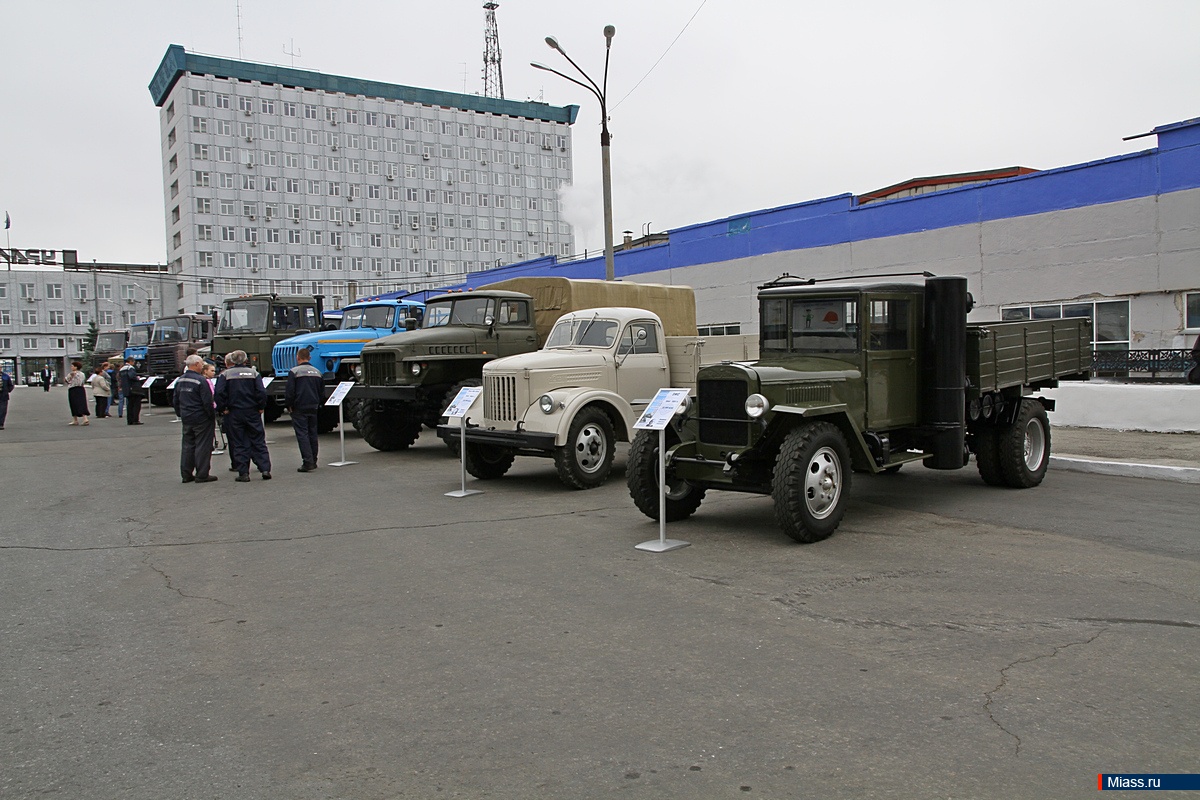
[354, 633]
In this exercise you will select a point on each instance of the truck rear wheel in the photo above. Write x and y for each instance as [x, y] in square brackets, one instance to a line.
[585, 461]
[1025, 446]
[488, 462]
[811, 481]
[388, 426]
[987, 455]
[327, 418]
[641, 476]
[272, 412]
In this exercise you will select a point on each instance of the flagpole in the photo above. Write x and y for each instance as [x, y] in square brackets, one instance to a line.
[8, 238]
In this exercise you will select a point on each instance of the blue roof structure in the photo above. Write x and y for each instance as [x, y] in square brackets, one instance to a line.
[177, 61]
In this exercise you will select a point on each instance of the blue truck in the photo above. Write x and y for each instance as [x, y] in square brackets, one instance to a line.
[337, 352]
[138, 344]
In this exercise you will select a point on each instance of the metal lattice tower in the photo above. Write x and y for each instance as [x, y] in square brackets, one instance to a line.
[493, 78]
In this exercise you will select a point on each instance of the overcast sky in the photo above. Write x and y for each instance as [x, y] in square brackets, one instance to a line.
[759, 103]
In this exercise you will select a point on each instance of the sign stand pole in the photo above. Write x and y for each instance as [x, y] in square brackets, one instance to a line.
[664, 406]
[335, 399]
[459, 407]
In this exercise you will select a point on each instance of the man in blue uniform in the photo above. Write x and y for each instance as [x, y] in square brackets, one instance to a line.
[131, 390]
[193, 402]
[302, 398]
[241, 398]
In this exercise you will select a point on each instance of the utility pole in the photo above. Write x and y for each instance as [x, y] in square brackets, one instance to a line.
[493, 78]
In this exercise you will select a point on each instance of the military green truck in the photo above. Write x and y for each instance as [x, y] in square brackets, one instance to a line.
[406, 380]
[863, 377]
[255, 323]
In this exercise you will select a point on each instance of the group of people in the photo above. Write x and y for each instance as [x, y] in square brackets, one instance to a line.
[129, 392]
[237, 398]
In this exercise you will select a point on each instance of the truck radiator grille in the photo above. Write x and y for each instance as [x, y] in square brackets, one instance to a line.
[162, 362]
[500, 398]
[379, 369]
[283, 358]
[723, 412]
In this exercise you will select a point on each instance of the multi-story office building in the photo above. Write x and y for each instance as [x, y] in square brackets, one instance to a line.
[278, 179]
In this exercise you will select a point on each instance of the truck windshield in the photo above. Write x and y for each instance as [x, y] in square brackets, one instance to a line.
[170, 329]
[460, 311]
[813, 325]
[583, 332]
[140, 335]
[109, 342]
[244, 316]
[369, 317]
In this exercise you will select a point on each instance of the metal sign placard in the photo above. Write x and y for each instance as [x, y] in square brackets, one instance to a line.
[463, 401]
[339, 394]
[665, 405]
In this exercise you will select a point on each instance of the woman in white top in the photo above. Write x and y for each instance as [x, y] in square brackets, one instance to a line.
[77, 395]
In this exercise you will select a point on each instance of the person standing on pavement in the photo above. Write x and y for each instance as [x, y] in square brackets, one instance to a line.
[110, 371]
[77, 395]
[241, 398]
[101, 390]
[45, 379]
[6, 387]
[131, 388]
[193, 402]
[303, 396]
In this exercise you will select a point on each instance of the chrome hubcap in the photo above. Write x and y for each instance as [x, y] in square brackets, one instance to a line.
[822, 483]
[1035, 445]
[590, 448]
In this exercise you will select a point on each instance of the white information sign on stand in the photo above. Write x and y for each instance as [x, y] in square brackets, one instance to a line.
[146, 384]
[335, 399]
[458, 409]
[171, 385]
[267, 381]
[665, 405]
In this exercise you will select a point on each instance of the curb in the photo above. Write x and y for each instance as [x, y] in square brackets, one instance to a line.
[1127, 469]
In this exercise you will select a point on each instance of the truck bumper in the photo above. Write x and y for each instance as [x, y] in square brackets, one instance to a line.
[525, 441]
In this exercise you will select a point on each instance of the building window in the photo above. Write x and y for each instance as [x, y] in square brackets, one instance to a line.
[1192, 311]
[28, 317]
[58, 318]
[29, 343]
[1110, 319]
[207, 286]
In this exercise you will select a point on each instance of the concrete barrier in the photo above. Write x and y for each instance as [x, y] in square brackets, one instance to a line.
[1127, 407]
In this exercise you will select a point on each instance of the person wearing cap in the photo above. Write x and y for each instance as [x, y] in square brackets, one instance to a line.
[241, 398]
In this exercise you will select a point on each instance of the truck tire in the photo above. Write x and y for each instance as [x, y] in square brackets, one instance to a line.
[641, 476]
[811, 482]
[585, 461]
[327, 418]
[160, 397]
[387, 426]
[1025, 446]
[350, 411]
[272, 412]
[488, 462]
[987, 455]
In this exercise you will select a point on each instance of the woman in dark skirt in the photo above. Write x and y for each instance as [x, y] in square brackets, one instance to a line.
[77, 395]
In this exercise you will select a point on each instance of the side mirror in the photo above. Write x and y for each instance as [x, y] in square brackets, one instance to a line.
[410, 323]
[490, 321]
[303, 330]
[641, 334]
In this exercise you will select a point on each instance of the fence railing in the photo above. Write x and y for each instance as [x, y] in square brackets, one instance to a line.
[1152, 361]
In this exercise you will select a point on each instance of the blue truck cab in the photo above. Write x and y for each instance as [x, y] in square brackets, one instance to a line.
[336, 352]
[139, 342]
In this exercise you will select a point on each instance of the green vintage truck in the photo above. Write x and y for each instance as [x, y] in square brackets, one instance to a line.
[861, 376]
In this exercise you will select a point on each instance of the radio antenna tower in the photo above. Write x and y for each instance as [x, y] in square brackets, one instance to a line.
[493, 78]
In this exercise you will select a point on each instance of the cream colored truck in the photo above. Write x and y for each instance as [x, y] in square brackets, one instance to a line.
[582, 392]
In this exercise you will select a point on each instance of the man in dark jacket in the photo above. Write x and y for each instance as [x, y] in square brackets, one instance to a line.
[6, 387]
[302, 398]
[131, 390]
[193, 402]
[241, 397]
[46, 379]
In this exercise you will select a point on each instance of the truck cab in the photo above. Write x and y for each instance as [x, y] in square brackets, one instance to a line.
[139, 341]
[336, 352]
[110, 346]
[171, 339]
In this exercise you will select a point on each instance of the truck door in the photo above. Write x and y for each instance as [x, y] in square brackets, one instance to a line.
[514, 328]
[893, 385]
[642, 367]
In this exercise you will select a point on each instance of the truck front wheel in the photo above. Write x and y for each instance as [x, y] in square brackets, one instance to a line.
[987, 455]
[1025, 446]
[811, 481]
[585, 461]
[327, 418]
[641, 476]
[388, 425]
[488, 462]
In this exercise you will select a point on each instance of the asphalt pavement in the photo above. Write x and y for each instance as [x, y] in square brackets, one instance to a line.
[355, 633]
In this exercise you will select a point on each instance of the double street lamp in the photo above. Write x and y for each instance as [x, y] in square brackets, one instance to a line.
[601, 93]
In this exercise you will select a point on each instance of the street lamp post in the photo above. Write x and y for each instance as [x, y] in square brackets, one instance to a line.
[601, 93]
[149, 300]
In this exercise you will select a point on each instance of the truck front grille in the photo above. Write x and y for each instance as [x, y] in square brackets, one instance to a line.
[283, 358]
[379, 369]
[500, 398]
[162, 362]
[722, 406]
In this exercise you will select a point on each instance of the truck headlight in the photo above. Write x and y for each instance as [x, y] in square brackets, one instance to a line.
[415, 368]
[329, 364]
[546, 404]
[756, 406]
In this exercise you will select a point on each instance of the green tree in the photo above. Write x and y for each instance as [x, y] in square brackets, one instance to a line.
[89, 343]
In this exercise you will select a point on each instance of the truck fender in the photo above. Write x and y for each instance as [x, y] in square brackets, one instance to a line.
[785, 418]
[567, 404]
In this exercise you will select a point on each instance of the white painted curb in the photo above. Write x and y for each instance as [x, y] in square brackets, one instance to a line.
[1127, 469]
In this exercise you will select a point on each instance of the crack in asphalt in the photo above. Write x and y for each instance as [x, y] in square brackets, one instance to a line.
[987, 706]
[1170, 623]
[321, 535]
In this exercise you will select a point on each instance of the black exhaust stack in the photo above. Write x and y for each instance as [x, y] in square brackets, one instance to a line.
[945, 371]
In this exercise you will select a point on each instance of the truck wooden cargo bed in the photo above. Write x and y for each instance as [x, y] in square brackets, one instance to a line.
[1028, 352]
